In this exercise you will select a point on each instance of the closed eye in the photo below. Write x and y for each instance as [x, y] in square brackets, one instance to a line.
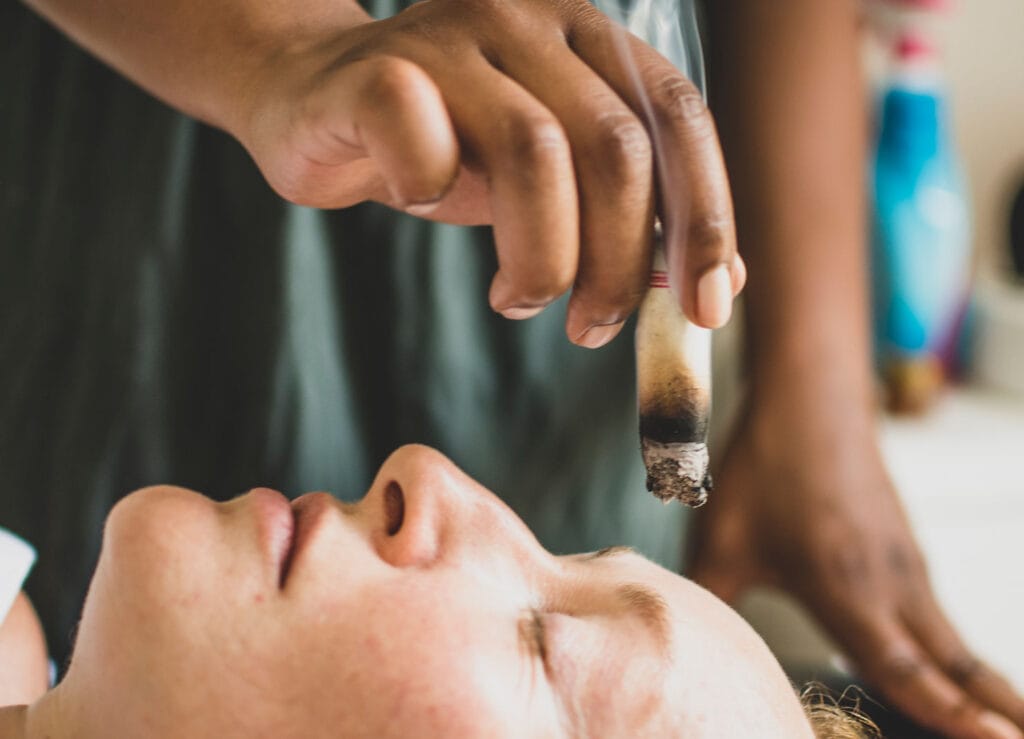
[539, 635]
[532, 636]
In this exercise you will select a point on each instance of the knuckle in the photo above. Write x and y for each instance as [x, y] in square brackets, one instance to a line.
[543, 286]
[549, 285]
[905, 560]
[961, 711]
[709, 232]
[902, 666]
[608, 301]
[891, 666]
[536, 141]
[625, 147]
[677, 100]
[489, 9]
[964, 668]
[391, 81]
[621, 302]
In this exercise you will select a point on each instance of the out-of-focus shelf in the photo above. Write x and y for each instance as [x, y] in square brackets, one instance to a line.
[959, 472]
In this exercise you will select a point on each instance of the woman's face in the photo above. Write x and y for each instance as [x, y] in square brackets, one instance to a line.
[426, 610]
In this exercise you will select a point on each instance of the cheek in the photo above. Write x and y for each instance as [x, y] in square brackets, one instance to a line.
[159, 564]
[157, 529]
[431, 668]
[159, 601]
[173, 665]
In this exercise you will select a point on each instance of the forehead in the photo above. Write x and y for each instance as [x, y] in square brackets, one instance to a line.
[721, 680]
[620, 646]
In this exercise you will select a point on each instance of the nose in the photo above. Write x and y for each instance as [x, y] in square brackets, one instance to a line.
[431, 511]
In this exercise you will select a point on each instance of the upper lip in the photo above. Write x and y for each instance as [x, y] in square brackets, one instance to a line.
[275, 528]
[306, 511]
[285, 563]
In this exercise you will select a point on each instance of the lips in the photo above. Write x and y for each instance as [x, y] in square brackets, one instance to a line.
[285, 561]
[275, 527]
[307, 513]
[285, 528]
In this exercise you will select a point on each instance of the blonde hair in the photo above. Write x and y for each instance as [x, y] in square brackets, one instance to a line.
[837, 718]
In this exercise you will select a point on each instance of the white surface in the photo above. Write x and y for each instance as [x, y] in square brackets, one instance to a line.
[998, 351]
[959, 472]
[16, 559]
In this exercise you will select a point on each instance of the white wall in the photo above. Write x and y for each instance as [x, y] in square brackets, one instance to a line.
[984, 52]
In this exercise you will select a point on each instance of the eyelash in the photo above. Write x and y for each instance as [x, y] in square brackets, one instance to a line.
[537, 635]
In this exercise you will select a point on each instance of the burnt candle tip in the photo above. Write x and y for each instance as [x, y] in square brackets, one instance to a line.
[678, 472]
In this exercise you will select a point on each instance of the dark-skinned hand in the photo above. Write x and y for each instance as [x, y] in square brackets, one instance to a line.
[803, 503]
[522, 115]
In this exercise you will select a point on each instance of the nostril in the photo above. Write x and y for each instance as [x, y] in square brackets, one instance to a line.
[394, 508]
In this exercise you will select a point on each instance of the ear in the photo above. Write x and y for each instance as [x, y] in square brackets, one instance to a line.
[24, 667]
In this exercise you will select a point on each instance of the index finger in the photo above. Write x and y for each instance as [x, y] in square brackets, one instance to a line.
[890, 657]
[935, 632]
[693, 195]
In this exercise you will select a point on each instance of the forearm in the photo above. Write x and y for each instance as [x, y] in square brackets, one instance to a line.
[200, 56]
[788, 95]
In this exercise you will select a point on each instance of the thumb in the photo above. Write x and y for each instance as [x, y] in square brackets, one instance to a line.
[398, 115]
[375, 128]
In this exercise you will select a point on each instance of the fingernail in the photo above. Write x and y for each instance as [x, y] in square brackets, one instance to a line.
[597, 336]
[507, 300]
[423, 209]
[738, 274]
[995, 726]
[520, 313]
[714, 296]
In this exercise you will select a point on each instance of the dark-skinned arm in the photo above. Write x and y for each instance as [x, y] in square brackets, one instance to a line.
[804, 501]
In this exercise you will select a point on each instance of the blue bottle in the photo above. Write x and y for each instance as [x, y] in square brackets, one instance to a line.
[921, 255]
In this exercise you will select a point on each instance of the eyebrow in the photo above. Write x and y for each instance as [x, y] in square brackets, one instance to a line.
[641, 600]
[652, 609]
[609, 551]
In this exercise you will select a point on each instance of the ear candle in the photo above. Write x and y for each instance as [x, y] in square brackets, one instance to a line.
[673, 360]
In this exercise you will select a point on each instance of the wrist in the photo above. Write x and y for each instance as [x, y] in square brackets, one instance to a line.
[811, 350]
[824, 387]
[273, 58]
